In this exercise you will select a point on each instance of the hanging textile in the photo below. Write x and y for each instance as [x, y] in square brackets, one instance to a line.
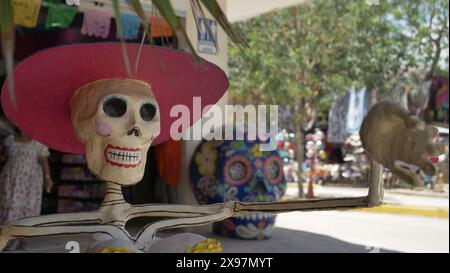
[159, 27]
[96, 24]
[356, 110]
[131, 25]
[26, 12]
[438, 105]
[337, 119]
[60, 15]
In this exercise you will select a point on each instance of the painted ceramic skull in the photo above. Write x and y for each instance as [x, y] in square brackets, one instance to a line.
[238, 170]
[117, 120]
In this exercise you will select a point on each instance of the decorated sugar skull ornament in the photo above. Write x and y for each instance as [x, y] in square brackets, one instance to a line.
[238, 170]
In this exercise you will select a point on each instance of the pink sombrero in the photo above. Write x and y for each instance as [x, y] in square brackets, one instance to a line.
[45, 82]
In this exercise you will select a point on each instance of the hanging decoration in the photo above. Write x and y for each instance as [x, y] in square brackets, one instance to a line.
[160, 27]
[26, 12]
[131, 25]
[96, 24]
[60, 15]
[337, 119]
[356, 110]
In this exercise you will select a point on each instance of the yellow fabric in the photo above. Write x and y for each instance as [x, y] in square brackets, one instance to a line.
[117, 250]
[26, 12]
[207, 246]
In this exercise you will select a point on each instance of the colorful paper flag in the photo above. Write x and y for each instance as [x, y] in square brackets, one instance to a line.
[96, 23]
[26, 12]
[159, 27]
[131, 25]
[60, 16]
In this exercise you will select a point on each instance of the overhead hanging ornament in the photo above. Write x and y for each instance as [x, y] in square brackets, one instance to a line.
[159, 27]
[131, 25]
[26, 12]
[60, 15]
[96, 23]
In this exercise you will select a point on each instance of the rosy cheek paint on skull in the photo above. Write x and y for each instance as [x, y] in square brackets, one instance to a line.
[103, 128]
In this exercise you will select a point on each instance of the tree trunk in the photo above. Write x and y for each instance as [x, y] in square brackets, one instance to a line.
[299, 149]
[436, 57]
[373, 96]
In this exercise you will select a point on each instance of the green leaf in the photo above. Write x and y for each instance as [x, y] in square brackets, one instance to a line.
[119, 26]
[7, 40]
[216, 11]
[137, 6]
[168, 13]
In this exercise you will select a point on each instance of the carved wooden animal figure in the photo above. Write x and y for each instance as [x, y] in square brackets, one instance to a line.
[399, 141]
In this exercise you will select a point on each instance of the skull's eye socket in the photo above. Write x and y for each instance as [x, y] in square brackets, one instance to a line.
[273, 170]
[147, 111]
[114, 106]
[238, 170]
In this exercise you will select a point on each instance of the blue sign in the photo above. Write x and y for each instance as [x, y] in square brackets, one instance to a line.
[207, 38]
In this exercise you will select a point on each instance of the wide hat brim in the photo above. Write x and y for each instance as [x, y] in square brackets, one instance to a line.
[45, 82]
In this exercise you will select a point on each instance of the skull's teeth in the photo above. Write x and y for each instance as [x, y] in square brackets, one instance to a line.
[256, 216]
[123, 157]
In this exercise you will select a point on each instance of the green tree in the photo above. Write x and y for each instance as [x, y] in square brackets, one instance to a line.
[315, 52]
[291, 59]
[424, 25]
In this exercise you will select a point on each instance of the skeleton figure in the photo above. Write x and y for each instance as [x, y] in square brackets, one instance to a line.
[118, 119]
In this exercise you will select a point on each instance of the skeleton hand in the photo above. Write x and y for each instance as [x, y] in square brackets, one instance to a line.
[399, 141]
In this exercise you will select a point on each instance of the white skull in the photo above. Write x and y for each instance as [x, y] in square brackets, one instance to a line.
[117, 120]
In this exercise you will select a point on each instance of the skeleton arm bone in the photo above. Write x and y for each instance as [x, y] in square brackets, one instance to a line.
[10, 232]
[233, 208]
[164, 210]
[60, 219]
[148, 233]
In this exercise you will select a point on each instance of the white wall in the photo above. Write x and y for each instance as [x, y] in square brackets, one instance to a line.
[185, 194]
[239, 10]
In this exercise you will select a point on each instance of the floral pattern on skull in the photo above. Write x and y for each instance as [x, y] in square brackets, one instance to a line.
[238, 170]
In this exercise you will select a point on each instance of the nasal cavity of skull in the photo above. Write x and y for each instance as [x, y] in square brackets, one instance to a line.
[259, 188]
[134, 131]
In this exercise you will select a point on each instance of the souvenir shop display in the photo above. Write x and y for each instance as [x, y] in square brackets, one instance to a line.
[89, 103]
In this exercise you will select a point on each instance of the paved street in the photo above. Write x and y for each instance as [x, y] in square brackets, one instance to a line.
[388, 231]
[393, 196]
